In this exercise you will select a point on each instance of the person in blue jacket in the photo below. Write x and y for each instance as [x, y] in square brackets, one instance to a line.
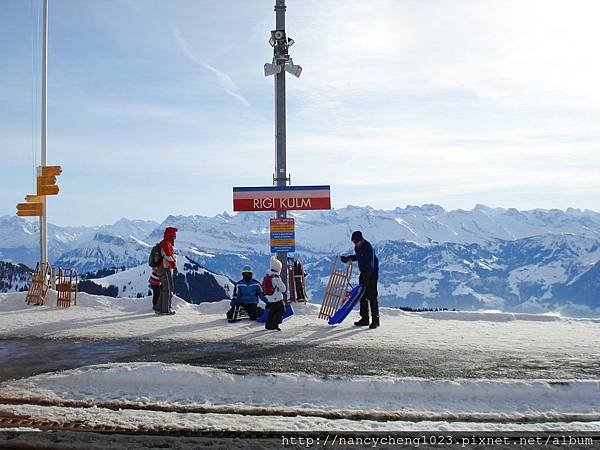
[368, 265]
[246, 294]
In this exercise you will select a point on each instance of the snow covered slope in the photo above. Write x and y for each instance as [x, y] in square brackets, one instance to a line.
[192, 283]
[14, 277]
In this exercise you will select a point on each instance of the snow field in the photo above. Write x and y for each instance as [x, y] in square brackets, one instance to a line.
[317, 404]
[97, 317]
[148, 420]
[183, 385]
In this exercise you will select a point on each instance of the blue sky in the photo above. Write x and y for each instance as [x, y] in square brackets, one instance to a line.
[160, 108]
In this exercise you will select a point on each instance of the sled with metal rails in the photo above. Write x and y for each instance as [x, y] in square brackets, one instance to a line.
[66, 287]
[337, 287]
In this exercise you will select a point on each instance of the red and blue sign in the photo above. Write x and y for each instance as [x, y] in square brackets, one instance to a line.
[281, 198]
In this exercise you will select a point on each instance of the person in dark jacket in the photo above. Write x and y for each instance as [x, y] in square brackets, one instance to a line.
[368, 265]
[246, 294]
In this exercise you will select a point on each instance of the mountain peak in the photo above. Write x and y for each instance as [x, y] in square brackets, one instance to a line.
[429, 209]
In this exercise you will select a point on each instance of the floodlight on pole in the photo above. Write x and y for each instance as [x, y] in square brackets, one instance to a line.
[281, 58]
[272, 69]
[293, 69]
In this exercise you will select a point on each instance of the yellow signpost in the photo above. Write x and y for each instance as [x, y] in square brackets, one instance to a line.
[30, 209]
[51, 170]
[46, 185]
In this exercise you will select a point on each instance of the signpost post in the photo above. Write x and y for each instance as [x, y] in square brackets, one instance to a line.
[43, 217]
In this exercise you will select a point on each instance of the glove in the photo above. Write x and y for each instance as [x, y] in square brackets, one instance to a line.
[345, 259]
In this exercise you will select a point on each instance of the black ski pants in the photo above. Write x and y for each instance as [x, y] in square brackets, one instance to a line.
[370, 299]
[276, 310]
[155, 297]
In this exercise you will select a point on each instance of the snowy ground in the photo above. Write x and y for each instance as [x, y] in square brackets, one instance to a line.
[209, 400]
[187, 386]
[98, 317]
[213, 399]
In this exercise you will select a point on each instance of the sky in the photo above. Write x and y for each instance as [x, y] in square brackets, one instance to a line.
[159, 108]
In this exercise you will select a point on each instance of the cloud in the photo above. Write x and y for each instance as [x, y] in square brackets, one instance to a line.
[225, 81]
[512, 53]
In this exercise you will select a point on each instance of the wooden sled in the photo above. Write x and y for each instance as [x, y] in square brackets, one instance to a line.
[336, 290]
[39, 284]
[294, 280]
[66, 287]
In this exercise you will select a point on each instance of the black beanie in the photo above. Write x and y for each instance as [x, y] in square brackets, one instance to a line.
[357, 236]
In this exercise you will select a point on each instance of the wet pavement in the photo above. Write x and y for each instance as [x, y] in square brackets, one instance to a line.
[25, 357]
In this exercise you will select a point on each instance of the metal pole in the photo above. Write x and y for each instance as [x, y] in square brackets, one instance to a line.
[43, 218]
[280, 147]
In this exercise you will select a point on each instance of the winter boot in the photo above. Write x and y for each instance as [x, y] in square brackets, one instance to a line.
[362, 323]
[374, 322]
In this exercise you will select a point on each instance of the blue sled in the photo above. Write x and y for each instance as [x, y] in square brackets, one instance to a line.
[355, 295]
[289, 312]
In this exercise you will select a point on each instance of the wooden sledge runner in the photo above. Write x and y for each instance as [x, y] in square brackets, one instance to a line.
[296, 281]
[336, 290]
[66, 287]
[39, 284]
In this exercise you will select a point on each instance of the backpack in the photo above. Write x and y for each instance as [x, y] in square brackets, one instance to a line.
[155, 258]
[267, 285]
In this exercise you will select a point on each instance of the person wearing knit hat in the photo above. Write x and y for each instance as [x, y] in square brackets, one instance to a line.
[274, 288]
[246, 294]
[368, 265]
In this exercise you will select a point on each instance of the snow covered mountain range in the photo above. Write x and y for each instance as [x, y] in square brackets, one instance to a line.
[483, 258]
